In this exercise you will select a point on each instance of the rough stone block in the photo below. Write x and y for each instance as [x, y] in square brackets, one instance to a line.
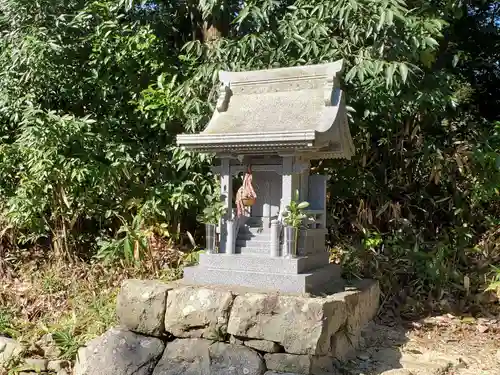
[303, 364]
[141, 306]
[263, 346]
[9, 349]
[58, 365]
[302, 325]
[235, 340]
[48, 346]
[35, 364]
[119, 352]
[226, 359]
[343, 345]
[185, 356]
[369, 299]
[202, 357]
[198, 312]
[362, 301]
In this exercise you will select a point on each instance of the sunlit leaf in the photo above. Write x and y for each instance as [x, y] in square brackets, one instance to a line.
[403, 70]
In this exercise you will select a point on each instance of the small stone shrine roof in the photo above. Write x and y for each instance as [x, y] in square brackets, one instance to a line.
[298, 110]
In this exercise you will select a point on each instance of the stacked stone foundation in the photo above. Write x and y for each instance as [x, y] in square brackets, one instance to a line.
[221, 330]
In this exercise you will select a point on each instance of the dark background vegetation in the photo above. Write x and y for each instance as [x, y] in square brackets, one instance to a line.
[93, 93]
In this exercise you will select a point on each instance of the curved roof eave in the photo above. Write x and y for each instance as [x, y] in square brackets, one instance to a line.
[296, 109]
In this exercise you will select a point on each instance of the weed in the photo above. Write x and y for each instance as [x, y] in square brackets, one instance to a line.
[74, 304]
[6, 323]
[494, 284]
[52, 283]
[191, 258]
[68, 342]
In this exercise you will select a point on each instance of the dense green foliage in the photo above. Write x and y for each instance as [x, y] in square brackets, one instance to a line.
[92, 94]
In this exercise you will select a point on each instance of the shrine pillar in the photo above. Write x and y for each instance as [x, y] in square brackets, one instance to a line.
[226, 186]
[287, 181]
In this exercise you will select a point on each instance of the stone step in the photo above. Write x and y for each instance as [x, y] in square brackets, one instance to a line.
[325, 280]
[252, 250]
[264, 262]
[256, 237]
[257, 241]
[255, 231]
[254, 222]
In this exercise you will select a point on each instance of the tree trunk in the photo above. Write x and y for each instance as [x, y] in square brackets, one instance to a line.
[217, 25]
[211, 32]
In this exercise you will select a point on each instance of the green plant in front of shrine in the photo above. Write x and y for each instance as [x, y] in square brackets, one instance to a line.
[215, 208]
[294, 217]
[294, 214]
[211, 217]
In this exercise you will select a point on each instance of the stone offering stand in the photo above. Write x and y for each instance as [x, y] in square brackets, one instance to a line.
[168, 329]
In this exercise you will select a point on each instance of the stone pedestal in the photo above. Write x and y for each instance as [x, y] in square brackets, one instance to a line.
[308, 274]
[212, 329]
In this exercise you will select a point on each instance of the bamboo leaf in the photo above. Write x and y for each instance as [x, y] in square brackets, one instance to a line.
[381, 21]
[128, 249]
[431, 41]
[361, 74]
[243, 14]
[389, 17]
[383, 209]
[351, 73]
[389, 73]
[403, 70]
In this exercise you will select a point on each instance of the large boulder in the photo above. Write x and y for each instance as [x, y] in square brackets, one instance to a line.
[9, 350]
[302, 325]
[198, 312]
[141, 306]
[119, 352]
[202, 357]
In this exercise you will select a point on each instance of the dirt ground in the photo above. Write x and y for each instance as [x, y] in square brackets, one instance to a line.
[439, 345]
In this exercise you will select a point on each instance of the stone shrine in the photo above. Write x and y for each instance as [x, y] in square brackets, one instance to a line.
[272, 124]
[256, 305]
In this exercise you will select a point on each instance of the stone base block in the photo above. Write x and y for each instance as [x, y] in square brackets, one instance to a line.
[310, 282]
[260, 263]
[267, 331]
[271, 322]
